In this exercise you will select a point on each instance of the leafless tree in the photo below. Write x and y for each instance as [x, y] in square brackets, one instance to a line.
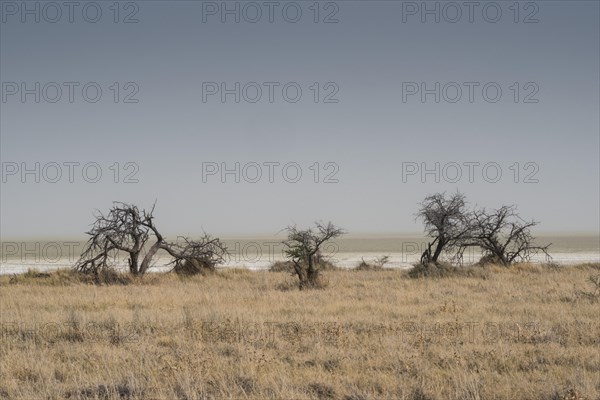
[503, 236]
[302, 248]
[124, 229]
[127, 229]
[196, 256]
[445, 221]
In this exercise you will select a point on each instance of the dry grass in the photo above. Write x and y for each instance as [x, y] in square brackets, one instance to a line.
[367, 266]
[288, 266]
[519, 333]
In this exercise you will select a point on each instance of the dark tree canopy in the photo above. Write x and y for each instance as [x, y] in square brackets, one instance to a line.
[445, 221]
[503, 235]
[302, 248]
[124, 229]
[192, 257]
[127, 229]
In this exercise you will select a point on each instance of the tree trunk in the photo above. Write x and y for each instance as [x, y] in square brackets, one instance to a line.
[312, 273]
[133, 263]
[438, 250]
[148, 258]
[302, 276]
[426, 256]
[313, 277]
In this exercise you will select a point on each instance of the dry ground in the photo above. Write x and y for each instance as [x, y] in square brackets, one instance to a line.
[531, 332]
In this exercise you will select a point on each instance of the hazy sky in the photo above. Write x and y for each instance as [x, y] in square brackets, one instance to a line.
[370, 130]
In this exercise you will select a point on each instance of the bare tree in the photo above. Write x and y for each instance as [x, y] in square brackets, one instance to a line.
[124, 229]
[503, 236]
[445, 221]
[302, 248]
[196, 256]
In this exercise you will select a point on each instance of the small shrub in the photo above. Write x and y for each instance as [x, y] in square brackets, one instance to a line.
[569, 394]
[419, 394]
[35, 274]
[288, 266]
[489, 259]
[282, 266]
[66, 277]
[245, 383]
[355, 396]
[320, 283]
[196, 266]
[105, 392]
[110, 277]
[552, 266]
[594, 294]
[321, 391]
[377, 265]
[445, 270]
[432, 270]
[287, 286]
[325, 265]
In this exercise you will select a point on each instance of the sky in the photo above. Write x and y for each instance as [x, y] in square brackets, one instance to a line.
[246, 117]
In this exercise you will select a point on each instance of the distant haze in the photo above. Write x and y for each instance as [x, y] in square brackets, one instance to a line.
[365, 141]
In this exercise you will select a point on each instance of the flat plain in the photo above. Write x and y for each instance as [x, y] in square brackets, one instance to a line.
[525, 332]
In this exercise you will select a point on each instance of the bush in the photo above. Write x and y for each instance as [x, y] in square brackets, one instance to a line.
[108, 277]
[66, 277]
[35, 274]
[195, 266]
[288, 266]
[445, 270]
[365, 266]
[431, 270]
[325, 265]
[489, 259]
[282, 266]
[321, 391]
[377, 265]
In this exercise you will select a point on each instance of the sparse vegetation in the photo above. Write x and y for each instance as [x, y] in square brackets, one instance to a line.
[502, 235]
[594, 284]
[445, 220]
[303, 250]
[67, 277]
[200, 256]
[282, 266]
[516, 333]
[436, 331]
[376, 265]
[126, 229]
[365, 266]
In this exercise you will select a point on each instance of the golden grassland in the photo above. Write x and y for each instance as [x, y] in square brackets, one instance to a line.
[528, 332]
